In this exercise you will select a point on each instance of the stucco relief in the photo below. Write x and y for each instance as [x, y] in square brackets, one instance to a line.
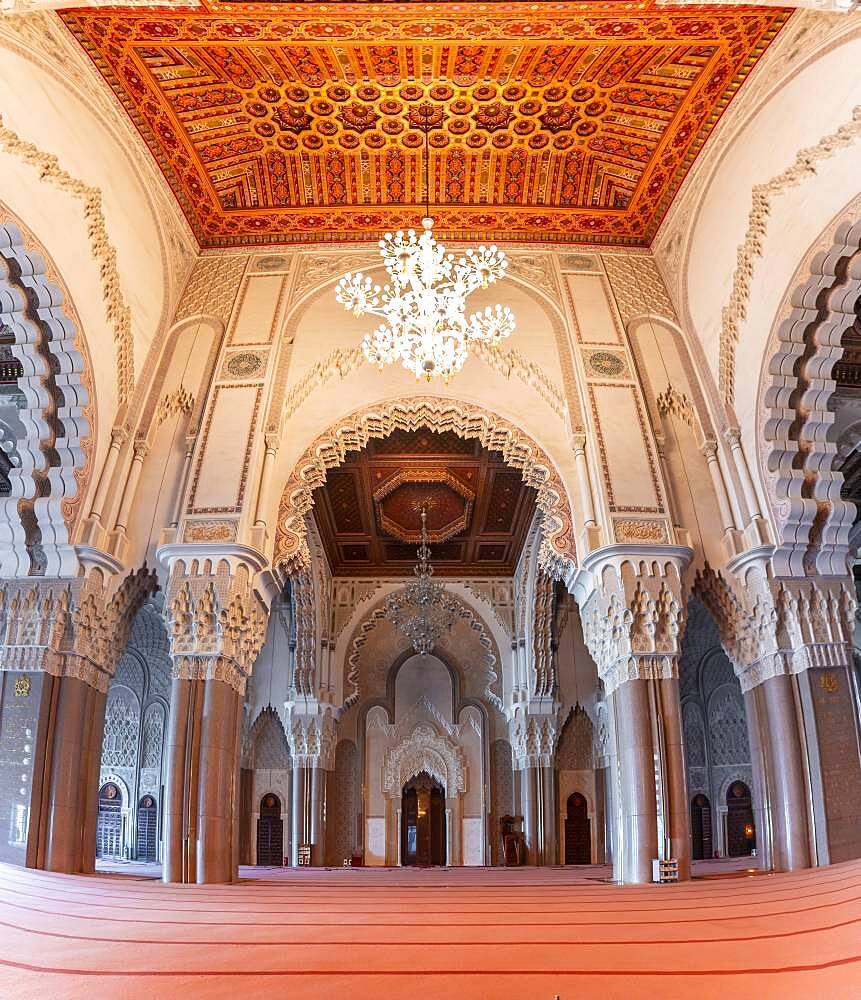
[424, 750]
[465, 420]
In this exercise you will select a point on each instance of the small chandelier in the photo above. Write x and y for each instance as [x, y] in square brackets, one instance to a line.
[424, 612]
[425, 305]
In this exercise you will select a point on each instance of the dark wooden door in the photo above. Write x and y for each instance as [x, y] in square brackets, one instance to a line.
[701, 828]
[578, 835]
[270, 832]
[423, 827]
[147, 831]
[109, 825]
[740, 833]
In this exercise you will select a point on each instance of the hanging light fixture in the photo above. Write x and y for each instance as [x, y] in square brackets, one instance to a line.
[424, 307]
[423, 611]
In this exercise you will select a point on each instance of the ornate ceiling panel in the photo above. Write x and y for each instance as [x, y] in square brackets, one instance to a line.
[478, 509]
[301, 121]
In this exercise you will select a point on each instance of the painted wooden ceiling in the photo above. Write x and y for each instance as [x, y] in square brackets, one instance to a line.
[369, 511]
[565, 122]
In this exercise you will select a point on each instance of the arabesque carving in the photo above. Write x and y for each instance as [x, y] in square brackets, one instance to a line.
[467, 421]
[734, 312]
[772, 627]
[117, 311]
[216, 625]
[424, 750]
[70, 628]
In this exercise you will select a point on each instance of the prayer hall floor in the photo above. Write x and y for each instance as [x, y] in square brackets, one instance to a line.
[444, 934]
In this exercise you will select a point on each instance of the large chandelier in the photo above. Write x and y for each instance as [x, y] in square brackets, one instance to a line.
[424, 307]
[423, 611]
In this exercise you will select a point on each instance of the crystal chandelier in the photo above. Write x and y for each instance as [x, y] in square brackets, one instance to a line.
[423, 610]
[425, 305]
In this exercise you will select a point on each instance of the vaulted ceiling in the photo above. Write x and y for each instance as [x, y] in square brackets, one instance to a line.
[369, 511]
[563, 121]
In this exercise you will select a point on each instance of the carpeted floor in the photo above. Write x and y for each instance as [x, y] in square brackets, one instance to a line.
[444, 934]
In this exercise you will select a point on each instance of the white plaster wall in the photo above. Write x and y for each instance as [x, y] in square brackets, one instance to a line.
[812, 105]
[42, 111]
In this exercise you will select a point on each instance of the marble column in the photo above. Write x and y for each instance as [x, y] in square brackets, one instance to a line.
[218, 794]
[638, 811]
[72, 723]
[786, 776]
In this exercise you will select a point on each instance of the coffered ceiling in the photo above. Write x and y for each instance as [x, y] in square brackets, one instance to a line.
[286, 122]
[369, 511]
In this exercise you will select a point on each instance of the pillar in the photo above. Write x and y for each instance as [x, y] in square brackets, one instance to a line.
[312, 739]
[785, 776]
[118, 437]
[216, 624]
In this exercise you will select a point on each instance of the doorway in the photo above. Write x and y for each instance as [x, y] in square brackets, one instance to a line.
[147, 832]
[578, 835]
[270, 832]
[740, 832]
[423, 827]
[701, 828]
[109, 826]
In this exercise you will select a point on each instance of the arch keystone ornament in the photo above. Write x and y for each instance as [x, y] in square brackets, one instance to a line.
[352, 433]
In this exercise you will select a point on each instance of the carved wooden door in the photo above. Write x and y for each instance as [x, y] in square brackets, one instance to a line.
[109, 825]
[147, 830]
[270, 832]
[578, 836]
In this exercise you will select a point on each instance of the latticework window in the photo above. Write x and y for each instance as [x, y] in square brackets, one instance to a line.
[728, 728]
[122, 720]
[153, 733]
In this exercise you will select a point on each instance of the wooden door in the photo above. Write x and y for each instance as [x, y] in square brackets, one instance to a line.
[109, 825]
[740, 833]
[578, 834]
[270, 832]
[423, 826]
[701, 828]
[147, 830]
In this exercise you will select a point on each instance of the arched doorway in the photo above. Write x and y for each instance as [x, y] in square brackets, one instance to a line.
[578, 835]
[147, 829]
[740, 832]
[701, 828]
[423, 829]
[270, 832]
[109, 826]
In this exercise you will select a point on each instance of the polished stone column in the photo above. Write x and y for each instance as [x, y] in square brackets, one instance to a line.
[73, 725]
[218, 795]
[677, 813]
[182, 750]
[786, 776]
[638, 811]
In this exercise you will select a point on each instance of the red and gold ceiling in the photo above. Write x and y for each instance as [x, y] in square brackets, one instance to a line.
[561, 121]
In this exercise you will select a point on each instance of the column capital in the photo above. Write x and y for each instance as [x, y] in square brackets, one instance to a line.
[772, 626]
[70, 627]
[709, 448]
[216, 622]
[119, 436]
[732, 436]
[533, 740]
[633, 618]
[311, 734]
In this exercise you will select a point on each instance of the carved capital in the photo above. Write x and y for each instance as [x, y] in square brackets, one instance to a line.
[533, 740]
[633, 623]
[311, 735]
[217, 625]
[770, 627]
[70, 628]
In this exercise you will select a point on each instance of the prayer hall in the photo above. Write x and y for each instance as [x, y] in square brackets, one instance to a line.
[430, 473]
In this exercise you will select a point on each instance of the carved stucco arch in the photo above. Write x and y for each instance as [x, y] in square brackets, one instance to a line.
[424, 750]
[352, 433]
[797, 458]
[320, 276]
[57, 417]
[363, 631]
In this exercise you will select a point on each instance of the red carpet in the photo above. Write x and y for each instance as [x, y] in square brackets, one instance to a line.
[448, 934]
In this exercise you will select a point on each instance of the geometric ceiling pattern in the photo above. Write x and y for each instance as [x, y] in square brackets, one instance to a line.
[567, 122]
[478, 509]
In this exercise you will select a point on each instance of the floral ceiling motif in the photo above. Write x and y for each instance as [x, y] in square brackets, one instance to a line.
[292, 121]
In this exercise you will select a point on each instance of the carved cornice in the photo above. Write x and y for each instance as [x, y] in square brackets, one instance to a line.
[426, 751]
